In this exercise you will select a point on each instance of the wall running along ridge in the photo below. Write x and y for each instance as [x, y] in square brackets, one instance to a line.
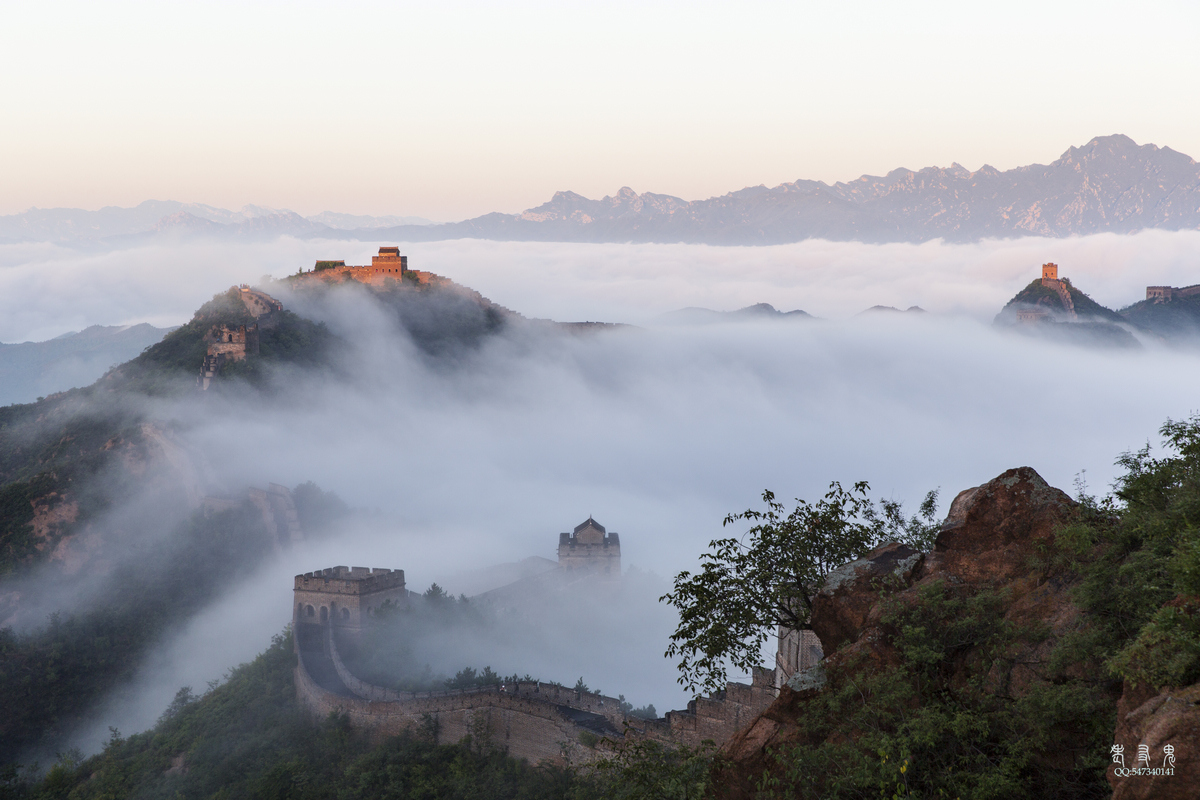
[530, 720]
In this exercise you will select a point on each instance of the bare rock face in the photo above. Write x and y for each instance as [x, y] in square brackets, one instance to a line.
[1166, 721]
[841, 608]
[1162, 720]
[987, 536]
[987, 540]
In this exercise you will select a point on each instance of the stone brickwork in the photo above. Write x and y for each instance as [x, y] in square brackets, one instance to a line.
[389, 265]
[530, 720]
[278, 511]
[798, 651]
[233, 343]
[1165, 294]
[1051, 280]
[346, 595]
[275, 504]
[590, 548]
[514, 718]
[259, 304]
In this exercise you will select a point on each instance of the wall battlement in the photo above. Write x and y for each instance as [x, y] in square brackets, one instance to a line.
[590, 547]
[346, 596]
[387, 266]
[259, 304]
[228, 343]
[1165, 294]
[532, 720]
[350, 580]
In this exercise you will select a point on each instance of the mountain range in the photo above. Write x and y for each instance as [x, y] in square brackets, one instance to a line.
[31, 369]
[158, 217]
[1109, 184]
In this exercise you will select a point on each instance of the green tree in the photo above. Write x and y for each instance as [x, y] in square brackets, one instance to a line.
[646, 770]
[749, 585]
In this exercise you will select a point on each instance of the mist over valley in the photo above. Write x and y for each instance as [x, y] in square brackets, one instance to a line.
[460, 435]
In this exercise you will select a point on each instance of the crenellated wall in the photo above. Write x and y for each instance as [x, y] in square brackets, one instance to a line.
[531, 720]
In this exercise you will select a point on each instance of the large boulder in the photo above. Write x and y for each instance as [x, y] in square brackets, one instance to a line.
[844, 603]
[990, 539]
[1167, 722]
[991, 530]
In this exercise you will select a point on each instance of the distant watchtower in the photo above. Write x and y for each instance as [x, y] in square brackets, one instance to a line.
[389, 259]
[1049, 272]
[589, 547]
[346, 597]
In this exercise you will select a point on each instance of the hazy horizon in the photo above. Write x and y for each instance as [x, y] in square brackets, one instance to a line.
[457, 110]
[47, 290]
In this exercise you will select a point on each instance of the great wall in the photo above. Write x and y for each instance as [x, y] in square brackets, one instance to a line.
[388, 265]
[226, 344]
[532, 720]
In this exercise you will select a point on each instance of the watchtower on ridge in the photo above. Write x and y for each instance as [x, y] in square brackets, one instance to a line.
[1049, 272]
[346, 597]
[389, 258]
[590, 547]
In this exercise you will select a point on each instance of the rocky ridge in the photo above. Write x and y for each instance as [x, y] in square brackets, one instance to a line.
[995, 539]
[1109, 184]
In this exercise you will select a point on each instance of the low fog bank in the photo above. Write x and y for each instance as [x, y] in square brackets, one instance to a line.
[636, 282]
[484, 455]
[47, 290]
[657, 433]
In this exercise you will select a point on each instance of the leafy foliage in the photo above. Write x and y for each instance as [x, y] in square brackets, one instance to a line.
[646, 770]
[645, 712]
[171, 366]
[249, 738]
[950, 716]
[941, 722]
[51, 677]
[1140, 556]
[748, 586]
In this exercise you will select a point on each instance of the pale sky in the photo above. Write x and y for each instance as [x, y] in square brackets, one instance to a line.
[449, 110]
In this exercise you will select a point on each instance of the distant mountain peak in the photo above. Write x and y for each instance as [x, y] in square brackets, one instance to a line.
[1109, 184]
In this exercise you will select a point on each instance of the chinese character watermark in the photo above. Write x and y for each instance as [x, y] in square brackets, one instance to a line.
[1143, 768]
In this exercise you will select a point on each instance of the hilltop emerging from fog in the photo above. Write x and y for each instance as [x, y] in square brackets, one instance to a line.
[1111, 184]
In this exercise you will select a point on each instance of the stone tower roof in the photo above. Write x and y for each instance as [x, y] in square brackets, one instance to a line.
[589, 522]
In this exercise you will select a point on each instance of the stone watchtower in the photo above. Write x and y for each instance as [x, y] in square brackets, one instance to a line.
[389, 259]
[346, 597]
[1049, 272]
[589, 547]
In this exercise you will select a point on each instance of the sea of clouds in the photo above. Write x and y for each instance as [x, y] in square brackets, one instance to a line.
[657, 430]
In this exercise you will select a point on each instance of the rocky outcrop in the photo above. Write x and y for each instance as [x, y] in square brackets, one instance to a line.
[989, 538]
[843, 605]
[1166, 723]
